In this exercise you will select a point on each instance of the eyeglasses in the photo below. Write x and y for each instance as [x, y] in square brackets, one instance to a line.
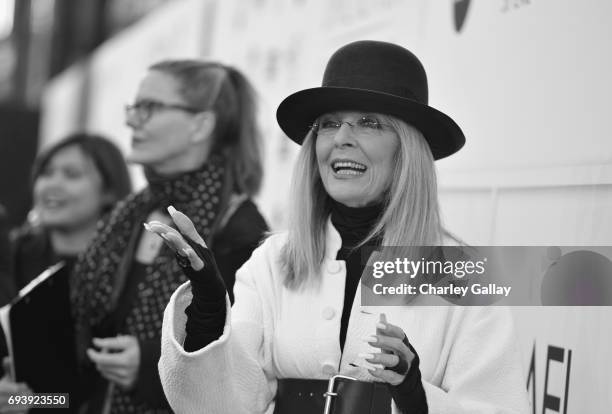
[366, 125]
[144, 109]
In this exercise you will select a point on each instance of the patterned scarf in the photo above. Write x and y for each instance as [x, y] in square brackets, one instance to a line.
[100, 275]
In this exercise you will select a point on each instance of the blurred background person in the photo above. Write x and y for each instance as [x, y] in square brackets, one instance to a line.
[194, 130]
[74, 183]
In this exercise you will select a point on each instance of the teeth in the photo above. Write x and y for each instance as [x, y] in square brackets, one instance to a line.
[348, 172]
[53, 203]
[348, 164]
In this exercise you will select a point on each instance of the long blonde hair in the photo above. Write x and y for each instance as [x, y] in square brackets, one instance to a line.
[411, 214]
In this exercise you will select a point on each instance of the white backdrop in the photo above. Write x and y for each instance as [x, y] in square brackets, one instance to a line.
[528, 80]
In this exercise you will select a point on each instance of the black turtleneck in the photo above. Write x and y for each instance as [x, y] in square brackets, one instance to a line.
[353, 224]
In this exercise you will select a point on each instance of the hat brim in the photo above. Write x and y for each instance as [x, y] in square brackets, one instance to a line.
[298, 111]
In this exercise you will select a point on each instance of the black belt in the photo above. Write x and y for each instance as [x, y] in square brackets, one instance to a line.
[339, 395]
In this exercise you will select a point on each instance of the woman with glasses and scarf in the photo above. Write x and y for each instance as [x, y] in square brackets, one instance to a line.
[194, 131]
[298, 339]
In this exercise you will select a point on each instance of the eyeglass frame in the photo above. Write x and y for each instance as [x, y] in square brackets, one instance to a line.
[314, 127]
[153, 106]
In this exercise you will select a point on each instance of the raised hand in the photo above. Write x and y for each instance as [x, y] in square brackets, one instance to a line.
[195, 258]
[395, 356]
[181, 241]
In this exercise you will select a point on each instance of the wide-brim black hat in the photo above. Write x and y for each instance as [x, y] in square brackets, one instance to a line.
[372, 76]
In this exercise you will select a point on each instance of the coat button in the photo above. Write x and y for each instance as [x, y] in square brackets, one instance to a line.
[329, 369]
[328, 313]
[334, 267]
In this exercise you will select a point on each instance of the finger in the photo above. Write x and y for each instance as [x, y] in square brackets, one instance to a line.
[404, 354]
[112, 377]
[196, 262]
[118, 372]
[389, 329]
[22, 388]
[386, 343]
[158, 227]
[106, 360]
[386, 360]
[385, 375]
[176, 242]
[185, 225]
[171, 236]
[6, 364]
[115, 343]
[8, 386]
[392, 344]
[380, 326]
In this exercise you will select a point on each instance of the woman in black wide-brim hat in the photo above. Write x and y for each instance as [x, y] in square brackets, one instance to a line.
[365, 175]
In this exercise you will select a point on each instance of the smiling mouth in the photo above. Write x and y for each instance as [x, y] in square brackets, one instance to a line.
[52, 204]
[348, 168]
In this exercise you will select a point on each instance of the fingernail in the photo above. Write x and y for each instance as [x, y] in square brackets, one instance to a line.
[381, 325]
[365, 356]
[371, 338]
[146, 226]
[172, 210]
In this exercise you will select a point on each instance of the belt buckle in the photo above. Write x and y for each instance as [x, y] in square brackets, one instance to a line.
[329, 394]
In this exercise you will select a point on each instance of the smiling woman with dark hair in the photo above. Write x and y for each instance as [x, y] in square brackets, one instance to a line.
[365, 175]
[75, 182]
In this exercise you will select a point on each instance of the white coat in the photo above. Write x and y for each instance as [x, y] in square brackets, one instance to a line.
[470, 361]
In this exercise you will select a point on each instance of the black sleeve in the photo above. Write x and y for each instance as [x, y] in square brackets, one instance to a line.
[7, 283]
[206, 312]
[232, 247]
[148, 388]
[409, 396]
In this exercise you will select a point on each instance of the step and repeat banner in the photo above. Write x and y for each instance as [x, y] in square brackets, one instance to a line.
[527, 80]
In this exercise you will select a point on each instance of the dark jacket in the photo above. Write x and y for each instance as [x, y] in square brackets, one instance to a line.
[29, 254]
[32, 254]
[7, 284]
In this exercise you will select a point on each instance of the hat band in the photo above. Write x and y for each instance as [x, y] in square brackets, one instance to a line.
[374, 85]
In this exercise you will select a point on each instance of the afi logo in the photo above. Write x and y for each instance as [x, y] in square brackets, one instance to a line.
[460, 12]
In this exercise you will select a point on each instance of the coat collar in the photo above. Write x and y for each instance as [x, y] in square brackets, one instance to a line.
[333, 241]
